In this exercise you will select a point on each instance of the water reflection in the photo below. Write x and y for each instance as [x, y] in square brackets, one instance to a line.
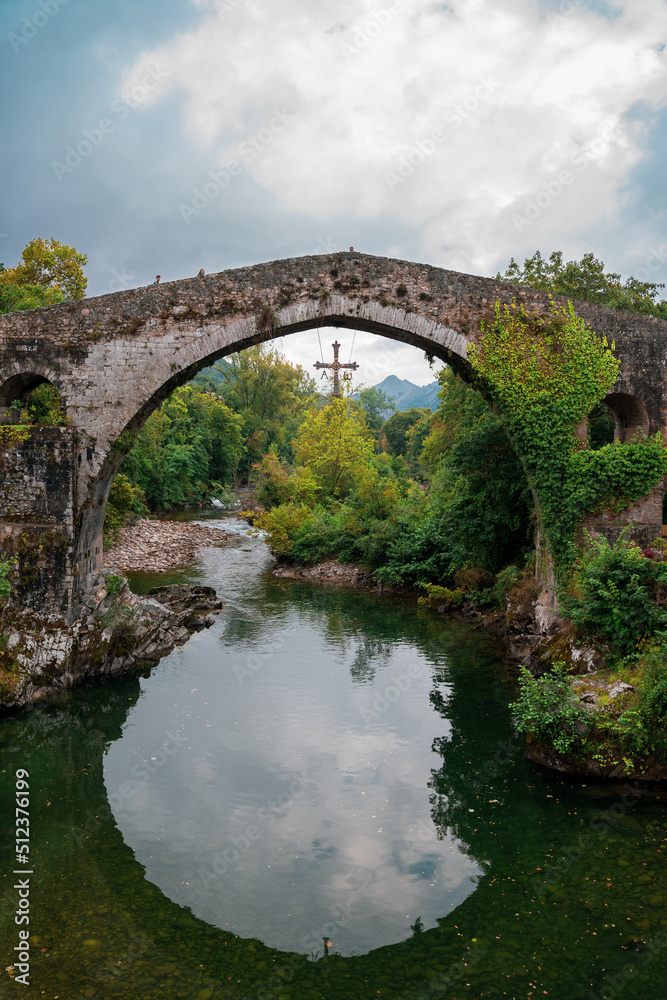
[555, 870]
[299, 800]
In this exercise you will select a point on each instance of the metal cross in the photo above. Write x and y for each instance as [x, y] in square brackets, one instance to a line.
[336, 367]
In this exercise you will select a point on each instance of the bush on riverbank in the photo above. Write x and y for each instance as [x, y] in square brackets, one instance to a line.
[624, 719]
[619, 592]
[125, 505]
[547, 710]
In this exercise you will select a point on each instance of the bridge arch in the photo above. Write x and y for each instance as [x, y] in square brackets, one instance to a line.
[20, 381]
[260, 326]
[116, 357]
[630, 415]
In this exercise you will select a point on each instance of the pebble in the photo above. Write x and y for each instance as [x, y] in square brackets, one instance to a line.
[155, 546]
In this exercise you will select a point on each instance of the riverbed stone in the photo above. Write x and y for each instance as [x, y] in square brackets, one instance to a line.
[109, 635]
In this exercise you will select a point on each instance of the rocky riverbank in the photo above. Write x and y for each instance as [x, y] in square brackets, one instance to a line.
[343, 574]
[155, 546]
[112, 632]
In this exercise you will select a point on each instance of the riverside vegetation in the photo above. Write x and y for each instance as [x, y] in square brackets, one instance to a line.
[449, 502]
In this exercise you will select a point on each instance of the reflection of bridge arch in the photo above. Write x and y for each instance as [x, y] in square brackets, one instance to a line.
[115, 358]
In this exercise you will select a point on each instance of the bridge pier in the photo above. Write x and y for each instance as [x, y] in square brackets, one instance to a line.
[38, 481]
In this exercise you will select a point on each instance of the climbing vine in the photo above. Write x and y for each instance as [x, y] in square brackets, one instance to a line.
[14, 434]
[544, 375]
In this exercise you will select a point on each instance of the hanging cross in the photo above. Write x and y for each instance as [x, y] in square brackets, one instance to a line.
[336, 367]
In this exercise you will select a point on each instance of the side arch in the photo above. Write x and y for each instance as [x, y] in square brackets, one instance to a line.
[630, 415]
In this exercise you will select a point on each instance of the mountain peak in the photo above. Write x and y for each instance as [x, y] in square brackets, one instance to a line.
[406, 394]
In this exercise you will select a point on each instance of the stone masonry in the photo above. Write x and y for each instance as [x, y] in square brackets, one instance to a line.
[116, 357]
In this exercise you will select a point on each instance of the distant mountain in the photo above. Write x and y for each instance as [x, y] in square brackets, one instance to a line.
[406, 394]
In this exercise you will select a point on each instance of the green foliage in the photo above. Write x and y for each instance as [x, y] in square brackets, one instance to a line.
[271, 477]
[601, 426]
[375, 403]
[48, 272]
[271, 396]
[6, 567]
[335, 445]
[45, 406]
[544, 375]
[396, 431]
[478, 508]
[317, 539]
[341, 500]
[546, 710]
[438, 595]
[281, 525]
[504, 582]
[125, 503]
[14, 298]
[188, 449]
[12, 435]
[620, 594]
[586, 279]
[115, 584]
[652, 714]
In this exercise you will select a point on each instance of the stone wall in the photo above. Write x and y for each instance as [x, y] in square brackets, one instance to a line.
[37, 512]
[645, 516]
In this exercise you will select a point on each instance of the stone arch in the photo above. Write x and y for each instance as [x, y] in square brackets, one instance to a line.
[114, 358]
[630, 415]
[261, 326]
[18, 385]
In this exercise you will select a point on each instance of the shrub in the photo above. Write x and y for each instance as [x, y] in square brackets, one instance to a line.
[651, 717]
[115, 584]
[6, 567]
[619, 593]
[546, 709]
[270, 476]
[440, 595]
[125, 503]
[281, 524]
[316, 539]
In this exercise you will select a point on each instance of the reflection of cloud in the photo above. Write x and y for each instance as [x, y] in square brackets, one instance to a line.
[337, 853]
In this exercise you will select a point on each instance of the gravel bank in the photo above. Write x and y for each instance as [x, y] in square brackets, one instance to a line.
[155, 546]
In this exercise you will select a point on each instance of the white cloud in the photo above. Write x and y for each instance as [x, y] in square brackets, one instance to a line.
[478, 106]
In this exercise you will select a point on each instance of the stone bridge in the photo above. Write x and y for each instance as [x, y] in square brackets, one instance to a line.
[116, 357]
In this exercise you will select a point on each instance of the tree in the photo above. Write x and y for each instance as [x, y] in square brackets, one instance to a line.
[188, 447]
[586, 280]
[335, 446]
[477, 510]
[270, 394]
[396, 430]
[376, 404]
[48, 272]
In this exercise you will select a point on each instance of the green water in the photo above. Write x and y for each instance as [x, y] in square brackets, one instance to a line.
[320, 764]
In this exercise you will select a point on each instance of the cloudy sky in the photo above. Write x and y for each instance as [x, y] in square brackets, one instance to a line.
[168, 135]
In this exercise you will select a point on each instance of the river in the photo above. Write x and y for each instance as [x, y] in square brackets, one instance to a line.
[320, 796]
